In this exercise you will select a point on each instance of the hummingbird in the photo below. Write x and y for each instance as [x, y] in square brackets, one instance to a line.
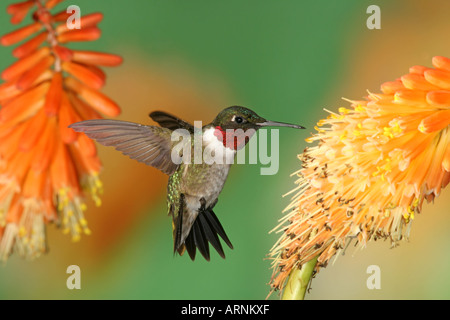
[193, 188]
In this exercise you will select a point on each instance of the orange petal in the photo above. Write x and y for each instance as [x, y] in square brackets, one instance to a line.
[65, 54]
[62, 171]
[418, 69]
[24, 105]
[87, 146]
[33, 186]
[417, 82]
[85, 22]
[392, 86]
[53, 97]
[52, 3]
[411, 97]
[45, 147]
[8, 90]
[67, 116]
[9, 143]
[61, 16]
[34, 128]
[97, 58]
[16, 209]
[82, 108]
[84, 74]
[30, 46]
[19, 10]
[97, 100]
[24, 64]
[85, 165]
[446, 159]
[439, 98]
[437, 121]
[439, 78]
[99, 72]
[442, 63]
[87, 34]
[20, 6]
[47, 197]
[19, 165]
[27, 79]
[20, 34]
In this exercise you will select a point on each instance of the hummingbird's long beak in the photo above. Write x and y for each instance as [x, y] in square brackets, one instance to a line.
[279, 124]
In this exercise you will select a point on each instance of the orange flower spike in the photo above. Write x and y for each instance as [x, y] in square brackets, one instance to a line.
[53, 97]
[24, 64]
[84, 74]
[45, 161]
[97, 100]
[75, 35]
[27, 79]
[86, 21]
[20, 34]
[30, 46]
[97, 58]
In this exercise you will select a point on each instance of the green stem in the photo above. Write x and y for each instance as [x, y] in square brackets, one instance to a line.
[298, 281]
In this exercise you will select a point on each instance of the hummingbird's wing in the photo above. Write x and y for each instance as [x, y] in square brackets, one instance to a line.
[151, 145]
[171, 122]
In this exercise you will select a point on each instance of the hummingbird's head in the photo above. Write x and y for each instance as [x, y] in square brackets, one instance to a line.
[237, 117]
[230, 119]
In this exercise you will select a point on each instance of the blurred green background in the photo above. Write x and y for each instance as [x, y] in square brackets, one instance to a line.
[287, 60]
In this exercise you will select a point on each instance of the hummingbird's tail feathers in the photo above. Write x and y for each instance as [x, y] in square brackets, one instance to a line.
[217, 226]
[151, 145]
[206, 229]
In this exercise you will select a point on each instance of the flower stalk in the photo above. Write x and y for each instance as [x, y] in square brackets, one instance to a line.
[298, 281]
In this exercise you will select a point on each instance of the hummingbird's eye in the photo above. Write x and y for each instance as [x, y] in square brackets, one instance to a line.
[238, 119]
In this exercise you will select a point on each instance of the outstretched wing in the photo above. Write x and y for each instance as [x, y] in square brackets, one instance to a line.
[151, 145]
[171, 122]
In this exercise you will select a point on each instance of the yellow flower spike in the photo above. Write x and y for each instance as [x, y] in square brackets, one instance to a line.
[383, 168]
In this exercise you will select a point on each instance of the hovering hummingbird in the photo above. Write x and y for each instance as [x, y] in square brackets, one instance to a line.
[193, 188]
